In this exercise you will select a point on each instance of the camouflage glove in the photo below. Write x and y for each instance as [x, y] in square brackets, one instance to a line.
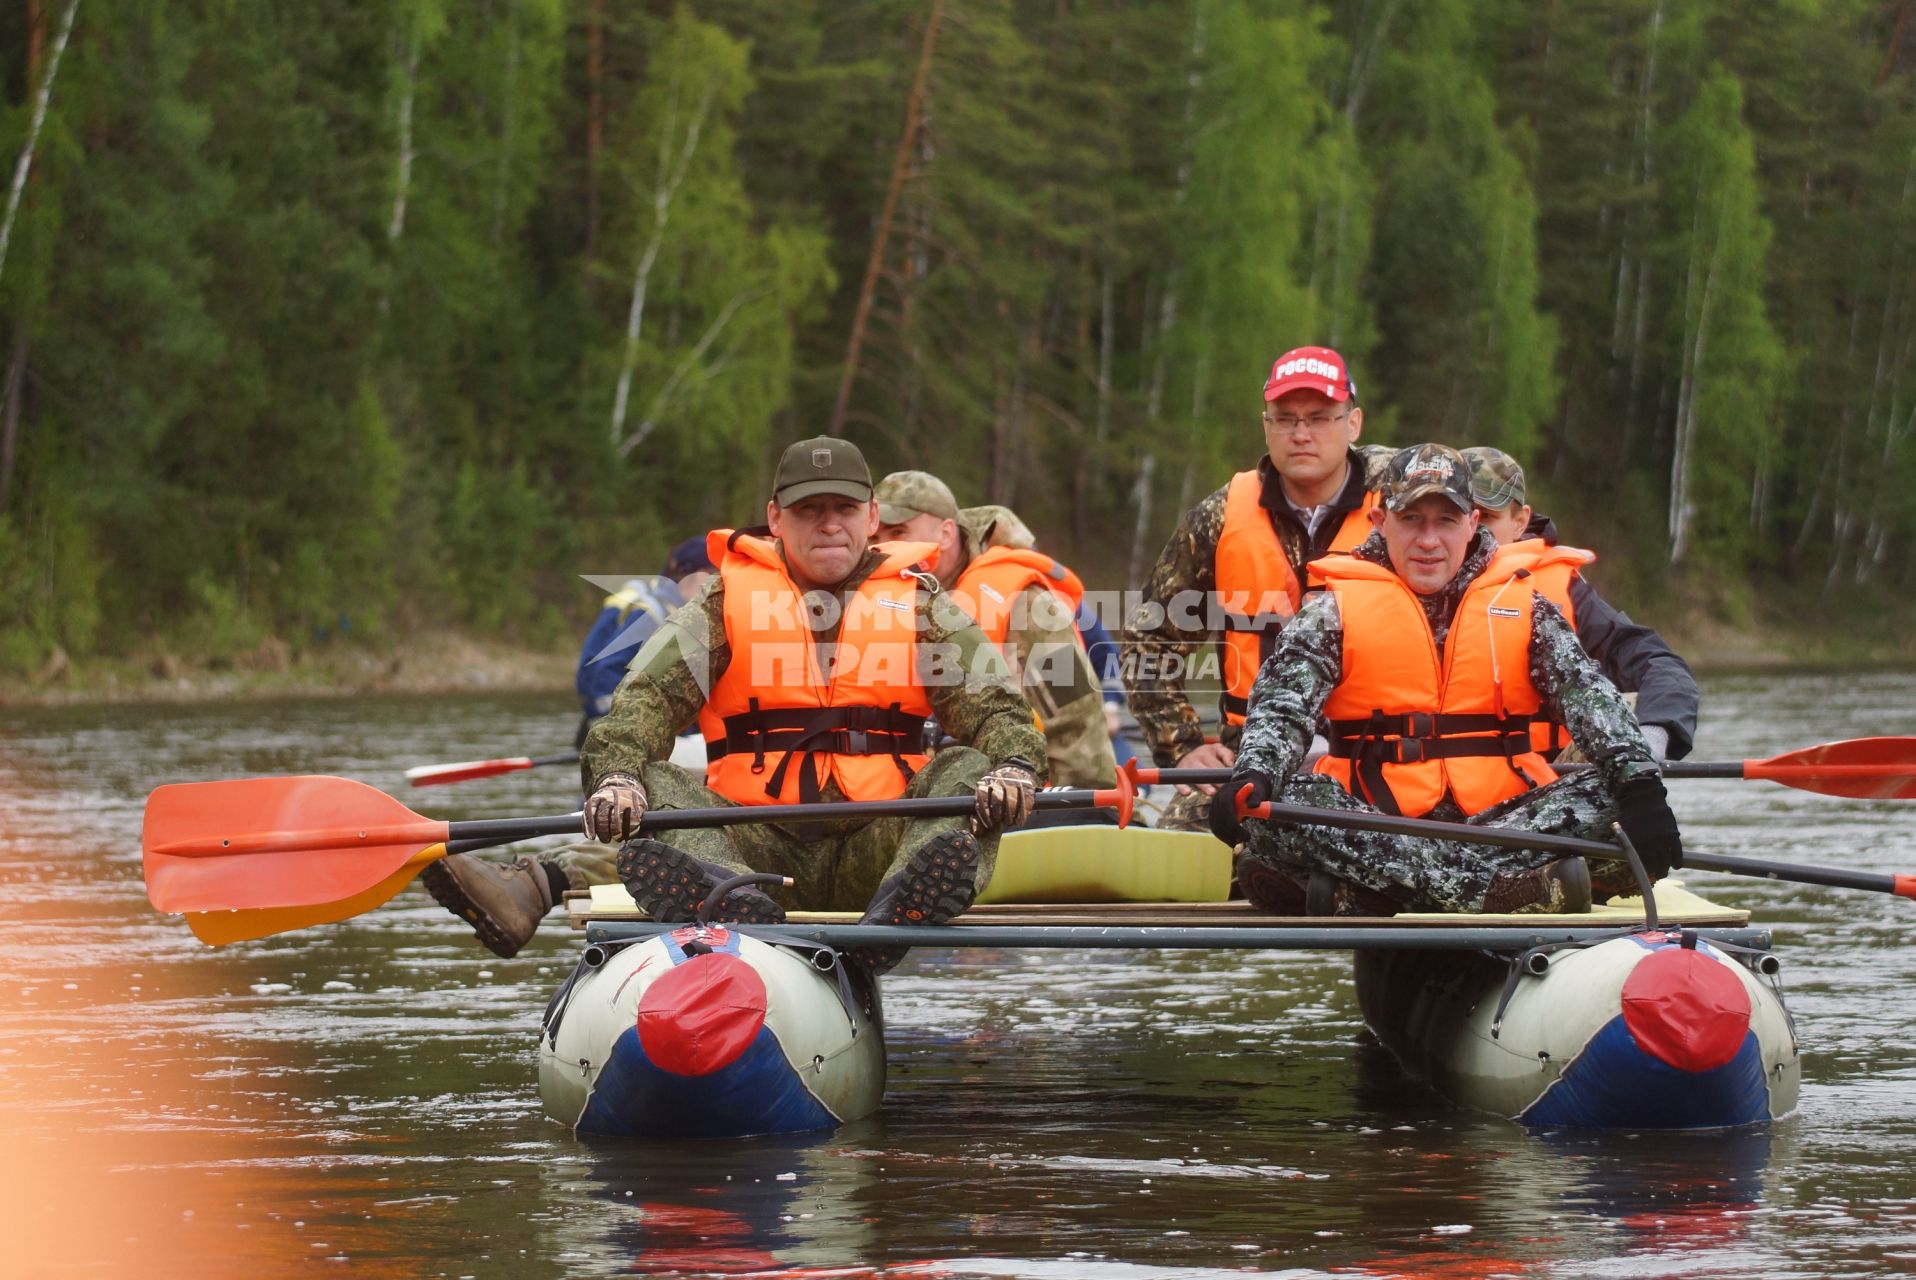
[613, 810]
[1643, 812]
[1224, 820]
[1005, 796]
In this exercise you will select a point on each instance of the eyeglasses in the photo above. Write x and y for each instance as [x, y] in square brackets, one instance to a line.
[1316, 422]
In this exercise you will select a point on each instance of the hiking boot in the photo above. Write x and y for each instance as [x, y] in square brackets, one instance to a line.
[1326, 895]
[1560, 888]
[1267, 888]
[502, 901]
[670, 885]
[935, 887]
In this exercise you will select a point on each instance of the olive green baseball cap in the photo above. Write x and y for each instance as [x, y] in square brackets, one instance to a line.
[1496, 481]
[1424, 469]
[905, 494]
[823, 464]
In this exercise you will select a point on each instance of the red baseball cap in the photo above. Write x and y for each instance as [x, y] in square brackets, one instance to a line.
[1310, 369]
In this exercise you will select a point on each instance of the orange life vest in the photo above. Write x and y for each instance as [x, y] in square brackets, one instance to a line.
[1408, 723]
[994, 578]
[1552, 581]
[1257, 590]
[776, 726]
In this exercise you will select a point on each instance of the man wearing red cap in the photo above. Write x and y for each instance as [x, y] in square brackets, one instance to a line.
[1233, 570]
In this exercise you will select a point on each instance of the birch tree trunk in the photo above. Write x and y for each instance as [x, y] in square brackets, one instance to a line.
[1141, 503]
[402, 181]
[663, 398]
[1090, 469]
[1686, 427]
[41, 98]
[671, 175]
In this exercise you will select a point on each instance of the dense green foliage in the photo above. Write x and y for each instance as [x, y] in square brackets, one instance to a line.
[380, 315]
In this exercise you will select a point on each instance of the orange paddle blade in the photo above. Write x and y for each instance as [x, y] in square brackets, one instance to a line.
[218, 928]
[1861, 768]
[275, 842]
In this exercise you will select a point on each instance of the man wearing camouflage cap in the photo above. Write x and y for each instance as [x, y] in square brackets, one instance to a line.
[1024, 601]
[1233, 570]
[1427, 656]
[1633, 656]
[810, 663]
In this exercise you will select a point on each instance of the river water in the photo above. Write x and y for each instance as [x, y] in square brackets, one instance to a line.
[359, 1099]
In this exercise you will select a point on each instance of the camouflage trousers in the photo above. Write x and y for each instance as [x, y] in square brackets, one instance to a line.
[1190, 812]
[834, 866]
[584, 864]
[1419, 873]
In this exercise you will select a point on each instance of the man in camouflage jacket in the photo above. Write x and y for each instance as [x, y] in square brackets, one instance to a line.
[1313, 478]
[924, 870]
[1372, 873]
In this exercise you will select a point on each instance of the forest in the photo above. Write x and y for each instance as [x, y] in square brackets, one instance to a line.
[347, 319]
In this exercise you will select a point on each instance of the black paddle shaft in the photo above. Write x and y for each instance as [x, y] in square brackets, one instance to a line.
[502, 830]
[1669, 769]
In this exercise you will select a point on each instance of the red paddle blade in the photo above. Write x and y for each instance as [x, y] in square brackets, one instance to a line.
[432, 775]
[1861, 768]
[274, 842]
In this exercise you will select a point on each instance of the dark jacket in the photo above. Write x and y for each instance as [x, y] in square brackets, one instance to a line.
[1633, 656]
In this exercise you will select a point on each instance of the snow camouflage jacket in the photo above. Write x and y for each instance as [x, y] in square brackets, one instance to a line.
[1292, 686]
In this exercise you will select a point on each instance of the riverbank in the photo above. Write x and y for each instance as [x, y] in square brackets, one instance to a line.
[444, 662]
[425, 664]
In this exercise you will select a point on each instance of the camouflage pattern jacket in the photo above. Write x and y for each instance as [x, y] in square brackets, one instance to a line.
[1296, 680]
[1157, 643]
[971, 690]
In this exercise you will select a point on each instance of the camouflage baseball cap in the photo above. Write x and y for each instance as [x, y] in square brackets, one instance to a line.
[904, 494]
[823, 464]
[1496, 481]
[1424, 469]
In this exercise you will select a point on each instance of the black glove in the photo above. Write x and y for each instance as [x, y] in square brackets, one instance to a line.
[1644, 814]
[1224, 823]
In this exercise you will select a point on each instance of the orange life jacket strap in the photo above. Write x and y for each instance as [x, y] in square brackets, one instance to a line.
[1424, 724]
[1418, 736]
[1418, 750]
[800, 731]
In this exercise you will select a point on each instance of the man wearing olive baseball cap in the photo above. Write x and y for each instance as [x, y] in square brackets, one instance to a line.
[1428, 656]
[811, 663]
[1234, 568]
